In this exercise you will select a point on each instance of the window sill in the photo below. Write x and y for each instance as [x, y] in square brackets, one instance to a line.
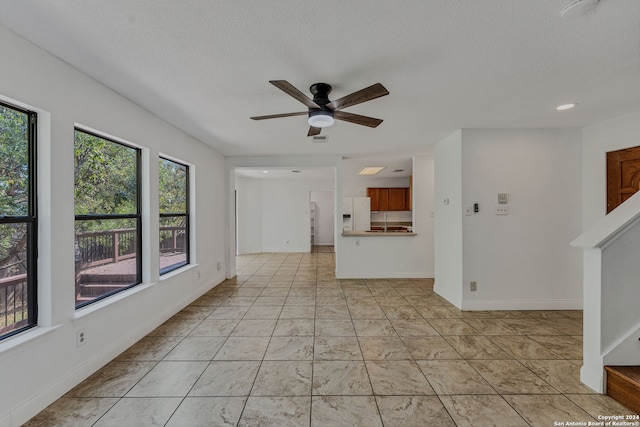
[98, 306]
[25, 337]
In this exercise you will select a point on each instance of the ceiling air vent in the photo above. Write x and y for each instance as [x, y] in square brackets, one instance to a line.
[398, 170]
[320, 138]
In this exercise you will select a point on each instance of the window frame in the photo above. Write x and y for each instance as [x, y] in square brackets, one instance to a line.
[31, 221]
[186, 215]
[137, 216]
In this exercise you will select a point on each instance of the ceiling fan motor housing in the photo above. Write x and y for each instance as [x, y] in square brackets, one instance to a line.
[320, 93]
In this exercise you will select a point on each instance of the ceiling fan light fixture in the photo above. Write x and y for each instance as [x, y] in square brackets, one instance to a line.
[321, 118]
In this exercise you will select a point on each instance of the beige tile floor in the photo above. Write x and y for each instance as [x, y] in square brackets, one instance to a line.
[286, 344]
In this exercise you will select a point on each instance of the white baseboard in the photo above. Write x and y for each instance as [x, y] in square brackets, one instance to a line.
[594, 380]
[543, 304]
[66, 382]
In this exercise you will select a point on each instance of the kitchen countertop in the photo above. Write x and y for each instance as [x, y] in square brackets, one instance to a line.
[376, 233]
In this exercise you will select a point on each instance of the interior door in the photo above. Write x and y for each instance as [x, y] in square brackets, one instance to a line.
[623, 176]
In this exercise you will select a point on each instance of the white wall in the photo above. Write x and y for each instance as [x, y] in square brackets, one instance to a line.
[597, 139]
[249, 214]
[325, 217]
[448, 218]
[395, 256]
[42, 364]
[273, 214]
[285, 214]
[522, 260]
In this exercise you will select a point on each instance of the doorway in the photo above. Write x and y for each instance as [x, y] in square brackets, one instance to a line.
[322, 218]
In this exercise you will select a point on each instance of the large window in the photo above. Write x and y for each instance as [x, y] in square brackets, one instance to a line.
[17, 220]
[108, 220]
[174, 215]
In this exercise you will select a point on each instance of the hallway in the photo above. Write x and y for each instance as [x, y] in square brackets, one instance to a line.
[287, 344]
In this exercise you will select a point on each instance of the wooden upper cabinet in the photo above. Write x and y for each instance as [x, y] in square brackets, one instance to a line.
[397, 199]
[372, 193]
[379, 198]
[389, 199]
[410, 192]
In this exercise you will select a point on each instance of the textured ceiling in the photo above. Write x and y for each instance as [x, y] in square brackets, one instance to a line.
[204, 65]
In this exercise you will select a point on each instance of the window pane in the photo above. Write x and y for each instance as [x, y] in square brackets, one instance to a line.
[107, 257]
[172, 187]
[14, 162]
[17, 221]
[105, 176]
[14, 298]
[173, 242]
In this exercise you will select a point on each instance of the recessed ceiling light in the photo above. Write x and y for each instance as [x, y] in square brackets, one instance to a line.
[370, 170]
[265, 171]
[565, 106]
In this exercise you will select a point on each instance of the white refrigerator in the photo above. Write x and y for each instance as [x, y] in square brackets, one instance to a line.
[356, 215]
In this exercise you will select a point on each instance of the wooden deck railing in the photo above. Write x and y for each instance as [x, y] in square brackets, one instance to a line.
[110, 246]
[93, 249]
[13, 302]
[105, 247]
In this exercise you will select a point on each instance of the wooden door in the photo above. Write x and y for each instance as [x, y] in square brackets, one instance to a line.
[623, 176]
[397, 199]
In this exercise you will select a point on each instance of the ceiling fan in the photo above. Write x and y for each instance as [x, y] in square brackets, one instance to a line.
[322, 112]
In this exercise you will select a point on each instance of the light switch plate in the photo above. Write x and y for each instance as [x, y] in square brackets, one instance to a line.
[468, 210]
[503, 198]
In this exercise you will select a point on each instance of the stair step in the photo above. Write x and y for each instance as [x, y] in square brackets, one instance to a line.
[623, 385]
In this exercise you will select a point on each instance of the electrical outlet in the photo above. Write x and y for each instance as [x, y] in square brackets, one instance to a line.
[81, 337]
[199, 275]
[502, 210]
[473, 286]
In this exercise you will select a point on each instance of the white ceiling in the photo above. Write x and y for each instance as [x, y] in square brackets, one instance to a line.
[205, 65]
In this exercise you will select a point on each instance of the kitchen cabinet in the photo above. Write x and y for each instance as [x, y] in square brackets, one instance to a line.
[397, 199]
[390, 199]
[379, 198]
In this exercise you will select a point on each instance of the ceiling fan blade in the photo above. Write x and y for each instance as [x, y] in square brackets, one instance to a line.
[291, 90]
[357, 119]
[363, 95]
[275, 116]
[314, 131]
